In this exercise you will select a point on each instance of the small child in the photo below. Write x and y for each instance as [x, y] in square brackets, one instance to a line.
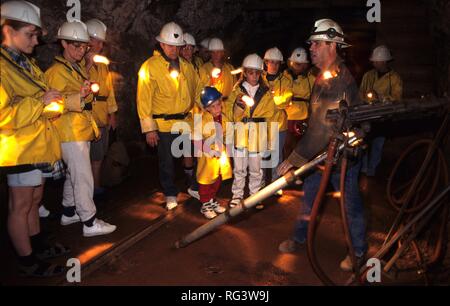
[213, 164]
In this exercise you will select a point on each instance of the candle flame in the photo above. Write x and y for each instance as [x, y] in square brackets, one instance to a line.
[174, 74]
[54, 109]
[223, 159]
[329, 75]
[215, 73]
[237, 71]
[95, 88]
[248, 101]
[101, 59]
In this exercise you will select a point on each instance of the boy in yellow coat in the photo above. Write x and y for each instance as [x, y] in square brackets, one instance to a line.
[252, 106]
[213, 164]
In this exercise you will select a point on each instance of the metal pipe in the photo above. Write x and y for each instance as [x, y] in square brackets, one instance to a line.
[257, 197]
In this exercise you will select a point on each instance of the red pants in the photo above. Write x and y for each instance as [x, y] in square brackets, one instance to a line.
[208, 192]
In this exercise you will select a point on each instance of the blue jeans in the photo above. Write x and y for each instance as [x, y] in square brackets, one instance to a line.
[372, 157]
[166, 163]
[282, 140]
[353, 201]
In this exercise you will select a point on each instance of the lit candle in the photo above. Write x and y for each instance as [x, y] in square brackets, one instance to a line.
[95, 88]
[53, 109]
[100, 59]
[223, 159]
[215, 73]
[248, 101]
[174, 74]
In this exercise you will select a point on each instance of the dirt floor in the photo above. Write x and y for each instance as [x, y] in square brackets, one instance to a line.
[243, 252]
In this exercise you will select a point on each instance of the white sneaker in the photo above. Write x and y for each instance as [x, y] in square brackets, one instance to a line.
[217, 208]
[171, 203]
[234, 202]
[193, 193]
[207, 210]
[70, 220]
[43, 212]
[100, 227]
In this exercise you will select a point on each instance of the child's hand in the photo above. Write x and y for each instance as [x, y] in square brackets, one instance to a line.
[239, 101]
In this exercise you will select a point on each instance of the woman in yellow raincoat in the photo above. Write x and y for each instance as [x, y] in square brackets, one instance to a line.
[30, 147]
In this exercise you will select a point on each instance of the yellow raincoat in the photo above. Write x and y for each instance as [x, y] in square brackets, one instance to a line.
[158, 93]
[72, 126]
[105, 102]
[281, 89]
[26, 137]
[388, 88]
[302, 86]
[224, 83]
[251, 135]
[209, 167]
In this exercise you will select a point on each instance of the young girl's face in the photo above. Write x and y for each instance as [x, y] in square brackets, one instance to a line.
[215, 109]
[252, 76]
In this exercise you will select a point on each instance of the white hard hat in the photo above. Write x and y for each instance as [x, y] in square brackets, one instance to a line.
[189, 39]
[96, 29]
[215, 44]
[253, 61]
[75, 30]
[171, 34]
[273, 54]
[328, 30]
[299, 55]
[21, 11]
[381, 54]
[205, 43]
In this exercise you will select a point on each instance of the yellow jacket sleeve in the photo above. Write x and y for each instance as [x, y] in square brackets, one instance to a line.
[145, 93]
[397, 87]
[111, 101]
[18, 112]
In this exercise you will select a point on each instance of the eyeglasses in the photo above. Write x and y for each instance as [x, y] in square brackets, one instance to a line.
[187, 48]
[81, 46]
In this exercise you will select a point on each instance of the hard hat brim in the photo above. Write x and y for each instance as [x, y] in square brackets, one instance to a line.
[61, 37]
[159, 39]
[342, 43]
[3, 17]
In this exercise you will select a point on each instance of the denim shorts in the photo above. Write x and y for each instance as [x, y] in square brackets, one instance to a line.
[31, 178]
[100, 147]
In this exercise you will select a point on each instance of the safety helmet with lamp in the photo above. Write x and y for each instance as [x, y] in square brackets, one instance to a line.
[96, 29]
[171, 34]
[381, 54]
[209, 95]
[273, 54]
[253, 61]
[215, 44]
[23, 11]
[74, 31]
[328, 30]
[299, 55]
